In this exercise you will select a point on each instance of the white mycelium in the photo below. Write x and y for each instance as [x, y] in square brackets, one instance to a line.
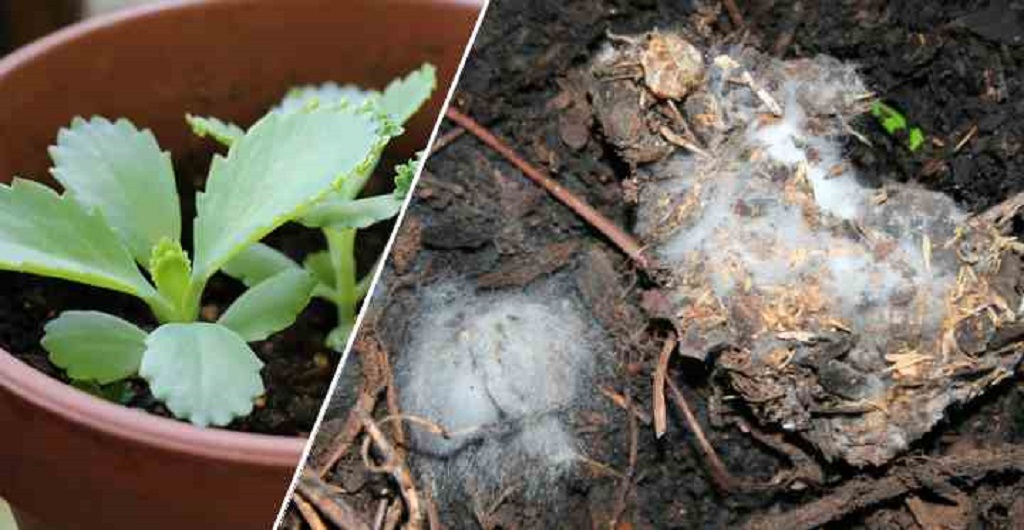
[501, 373]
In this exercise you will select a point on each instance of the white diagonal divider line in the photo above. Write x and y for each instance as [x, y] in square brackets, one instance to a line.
[380, 268]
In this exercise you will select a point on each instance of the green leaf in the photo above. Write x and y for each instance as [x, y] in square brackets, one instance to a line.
[203, 372]
[404, 175]
[120, 392]
[50, 235]
[319, 265]
[400, 100]
[120, 171]
[283, 164]
[171, 270]
[257, 263]
[916, 139]
[270, 306]
[890, 119]
[404, 96]
[337, 212]
[209, 127]
[90, 345]
[327, 94]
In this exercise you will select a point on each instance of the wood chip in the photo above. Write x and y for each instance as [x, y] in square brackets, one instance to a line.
[660, 413]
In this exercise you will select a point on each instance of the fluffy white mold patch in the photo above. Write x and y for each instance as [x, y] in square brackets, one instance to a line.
[502, 374]
[856, 316]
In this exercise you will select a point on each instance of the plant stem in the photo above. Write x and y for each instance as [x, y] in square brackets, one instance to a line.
[341, 246]
[167, 311]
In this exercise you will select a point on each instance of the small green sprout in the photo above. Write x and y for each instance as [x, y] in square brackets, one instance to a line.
[117, 225]
[895, 123]
[342, 213]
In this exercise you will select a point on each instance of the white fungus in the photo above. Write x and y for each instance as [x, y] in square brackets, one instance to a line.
[501, 373]
[778, 207]
[821, 293]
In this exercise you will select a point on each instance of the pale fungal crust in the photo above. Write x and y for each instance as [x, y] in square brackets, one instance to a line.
[853, 316]
[672, 66]
[500, 373]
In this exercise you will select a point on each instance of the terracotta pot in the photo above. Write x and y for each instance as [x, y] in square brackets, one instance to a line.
[67, 459]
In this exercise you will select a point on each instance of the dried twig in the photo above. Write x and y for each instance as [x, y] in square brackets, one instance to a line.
[620, 401]
[433, 518]
[734, 13]
[446, 139]
[680, 141]
[805, 469]
[391, 397]
[1001, 215]
[600, 467]
[967, 137]
[377, 372]
[721, 476]
[789, 30]
[660, 414]
[393, 464]
[913, 475]
[747, 79]
[331, 506]
[394, 516]
[291, 521]
[622, 496]
[308, 513]
[382, 509]
[618, 236]
[342, 441]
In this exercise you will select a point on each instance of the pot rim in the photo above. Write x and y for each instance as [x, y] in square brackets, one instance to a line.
[118, 421]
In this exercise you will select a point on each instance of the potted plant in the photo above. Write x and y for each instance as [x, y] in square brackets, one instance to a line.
[68, 458]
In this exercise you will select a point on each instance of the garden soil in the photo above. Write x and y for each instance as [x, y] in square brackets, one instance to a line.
[954, 68]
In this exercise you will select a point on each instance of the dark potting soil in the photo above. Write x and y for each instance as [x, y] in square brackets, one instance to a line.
[298, 367]
[950, 67]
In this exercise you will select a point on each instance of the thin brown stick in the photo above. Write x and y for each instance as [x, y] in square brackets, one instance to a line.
[789, 30]
[394, 516]
[446, 139]
[660, 412]
[622, 495]
[378, 520]
[620, 401]
[916, 474]
[331, 506]
[967, 137]
[291, 521]
[376, 376]
[676, 139]
[342, 442]
[308, 513]
[428, 425]
[734, 13]
[433, 517]
[600, 467]
[618, 236]
[391, 398]
[719, 474]
[1001, 215]
[804, 469]
[395, 465]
